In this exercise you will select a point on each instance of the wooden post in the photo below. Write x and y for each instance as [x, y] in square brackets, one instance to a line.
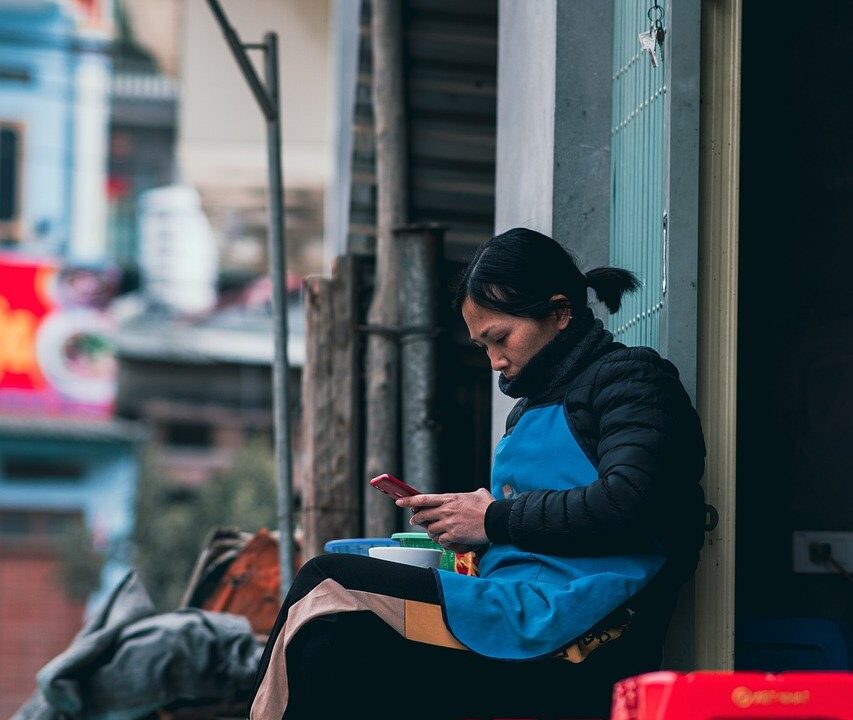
[392, 200]
[330, 495]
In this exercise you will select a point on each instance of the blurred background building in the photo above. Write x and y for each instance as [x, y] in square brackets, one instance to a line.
[67, 466]
[135, 315]
[135, 323]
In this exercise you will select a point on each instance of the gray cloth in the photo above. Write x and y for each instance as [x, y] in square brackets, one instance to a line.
[128, 661]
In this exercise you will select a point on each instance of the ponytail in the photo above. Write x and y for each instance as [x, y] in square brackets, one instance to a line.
[520, 270]
[610, 284]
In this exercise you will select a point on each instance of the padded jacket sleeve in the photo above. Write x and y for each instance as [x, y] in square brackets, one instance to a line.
[650, 460]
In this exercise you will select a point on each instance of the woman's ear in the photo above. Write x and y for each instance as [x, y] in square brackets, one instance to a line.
[562, 311]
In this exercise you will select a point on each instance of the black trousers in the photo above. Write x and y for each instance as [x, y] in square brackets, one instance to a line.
[353, 664]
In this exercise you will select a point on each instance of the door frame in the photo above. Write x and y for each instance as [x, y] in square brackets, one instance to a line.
[719, 184]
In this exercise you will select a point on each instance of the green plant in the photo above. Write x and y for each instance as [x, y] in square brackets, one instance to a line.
[80, 564]
[171, 522]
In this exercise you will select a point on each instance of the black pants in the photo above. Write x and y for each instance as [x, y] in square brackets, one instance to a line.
[353, 664]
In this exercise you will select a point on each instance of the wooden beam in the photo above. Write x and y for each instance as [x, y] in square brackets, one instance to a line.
[330, 494]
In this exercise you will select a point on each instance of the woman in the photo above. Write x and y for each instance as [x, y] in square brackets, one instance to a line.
[594, 519]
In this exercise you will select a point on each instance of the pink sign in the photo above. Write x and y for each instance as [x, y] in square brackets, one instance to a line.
[55, 353]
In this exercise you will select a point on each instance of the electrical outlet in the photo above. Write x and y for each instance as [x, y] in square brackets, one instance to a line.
[840, 545]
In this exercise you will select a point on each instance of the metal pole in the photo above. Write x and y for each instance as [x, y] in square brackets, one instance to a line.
[268, 100]
[278, 268]
[420, 252]
[261, 94]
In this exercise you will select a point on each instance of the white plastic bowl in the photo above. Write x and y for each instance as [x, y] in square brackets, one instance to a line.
[420, 557]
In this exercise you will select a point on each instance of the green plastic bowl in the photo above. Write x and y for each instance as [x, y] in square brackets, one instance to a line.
[422, 540]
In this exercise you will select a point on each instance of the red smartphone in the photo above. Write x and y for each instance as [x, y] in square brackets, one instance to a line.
[394, 487]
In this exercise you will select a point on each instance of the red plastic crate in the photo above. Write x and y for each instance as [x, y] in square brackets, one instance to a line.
[732, 695]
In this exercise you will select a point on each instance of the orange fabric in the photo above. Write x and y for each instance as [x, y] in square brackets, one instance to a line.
[425, 624]
[250, 586]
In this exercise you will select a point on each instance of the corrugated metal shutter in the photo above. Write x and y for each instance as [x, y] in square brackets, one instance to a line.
[451, 85]
[637, 207]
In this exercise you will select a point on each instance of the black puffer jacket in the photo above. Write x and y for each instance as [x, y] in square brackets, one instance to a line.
[629, 412]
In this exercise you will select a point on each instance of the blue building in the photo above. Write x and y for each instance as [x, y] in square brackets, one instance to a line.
[65, 462]
[54, 82]
[70, 472]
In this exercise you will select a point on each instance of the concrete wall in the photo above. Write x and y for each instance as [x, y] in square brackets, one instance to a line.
[581, 199]
[553, 139]
[526, 85]
[524, 166]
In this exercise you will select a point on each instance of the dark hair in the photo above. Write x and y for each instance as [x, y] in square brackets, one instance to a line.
[518, 271]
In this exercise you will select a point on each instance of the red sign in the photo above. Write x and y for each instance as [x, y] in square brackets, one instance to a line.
[55, 354]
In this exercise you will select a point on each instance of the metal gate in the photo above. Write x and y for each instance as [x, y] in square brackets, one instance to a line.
[637, 145]
[654, 228]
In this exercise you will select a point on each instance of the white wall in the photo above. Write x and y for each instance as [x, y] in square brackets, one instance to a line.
[524, 172]
[88, 238]
[346, 34]
[222, 137]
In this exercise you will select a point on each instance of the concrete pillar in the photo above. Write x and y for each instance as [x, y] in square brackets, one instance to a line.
[345, 32]
[553, 137]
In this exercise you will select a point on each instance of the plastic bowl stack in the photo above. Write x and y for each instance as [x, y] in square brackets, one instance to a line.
[418, 556]
[358, 546]
[422, 540]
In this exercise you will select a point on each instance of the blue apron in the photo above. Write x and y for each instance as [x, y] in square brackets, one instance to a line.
[526, 605]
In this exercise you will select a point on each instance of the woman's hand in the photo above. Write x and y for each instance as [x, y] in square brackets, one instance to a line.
[454, 520]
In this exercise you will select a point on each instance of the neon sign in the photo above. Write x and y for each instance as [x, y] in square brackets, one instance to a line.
[55, 353]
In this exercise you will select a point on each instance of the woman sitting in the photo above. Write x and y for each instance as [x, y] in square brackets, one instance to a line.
[594, 520]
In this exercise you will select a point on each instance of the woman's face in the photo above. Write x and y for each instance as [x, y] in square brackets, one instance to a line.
[511, 341]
